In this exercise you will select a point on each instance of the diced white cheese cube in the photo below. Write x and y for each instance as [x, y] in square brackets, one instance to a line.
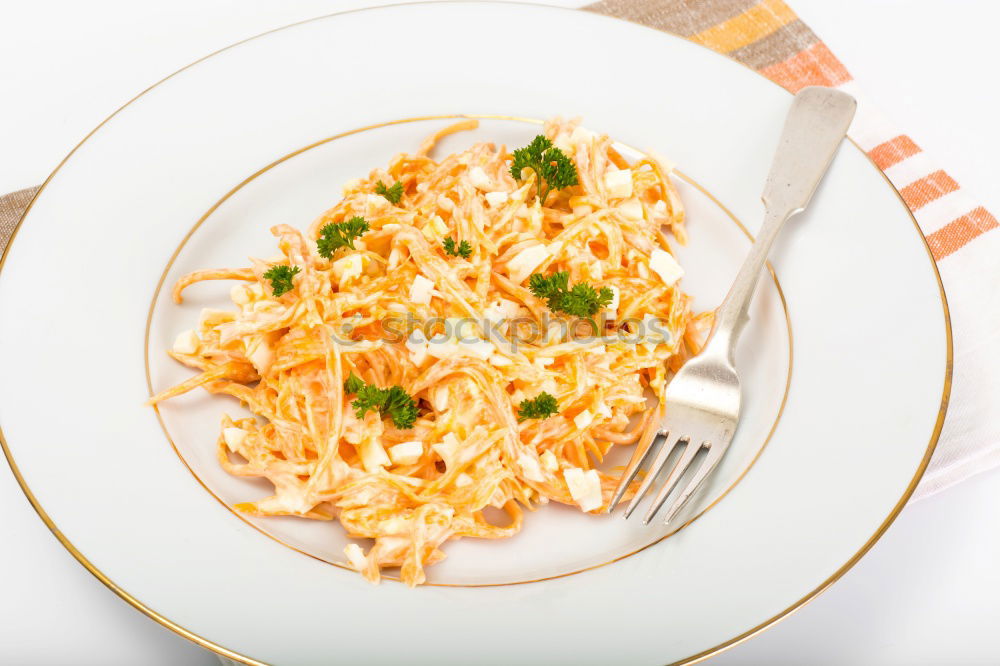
[259, 352]
[584, 487]
[544, 361]
[481, 349]
[618, 183]
[373, 456]
[615, 297]
[479, 179]
[463, 480]
[447, 448]
[234, 438]
[530, 468]
[500, 361]
[494, 314]
[496, 198]
[239, 294]
[631, 209]
[660, 208]
[511, 309]
[664, 265]
[526, 261]
[583, 419]
[355, 556]
[420, 290]
[655, 331]
[211, 317]
[348, 268]
[352, 184]
[435, 228]
[416, 344]
[604, 410]
[376, 201]
[186, 343]
[549, 461]
[441, 347]
[406, 453]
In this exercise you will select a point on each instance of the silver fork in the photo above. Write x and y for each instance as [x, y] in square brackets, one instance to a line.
[702, 402]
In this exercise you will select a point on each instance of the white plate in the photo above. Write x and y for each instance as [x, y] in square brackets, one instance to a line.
[185, 176]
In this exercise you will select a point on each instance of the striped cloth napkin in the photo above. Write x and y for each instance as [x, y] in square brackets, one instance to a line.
[771, 39]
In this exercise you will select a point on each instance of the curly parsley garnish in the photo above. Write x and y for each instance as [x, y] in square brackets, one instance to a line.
[281, 276]
[549, 163]
[353, 384]
[463, 249]
[541, 407]
[393, 402]
[582, 300]
[393, 194]
[332, 237]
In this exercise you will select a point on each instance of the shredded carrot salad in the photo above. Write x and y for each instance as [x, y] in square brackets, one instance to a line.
[287, 358]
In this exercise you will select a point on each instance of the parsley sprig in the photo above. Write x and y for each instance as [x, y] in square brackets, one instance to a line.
[354, 384]
[542, 406]
[393, 194]
[393, 402]
[463, 249]
[549, 163]
[334, 236]
[281, 276]
[582, 300]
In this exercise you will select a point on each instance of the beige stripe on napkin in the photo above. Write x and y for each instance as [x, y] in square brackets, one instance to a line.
[11, 208]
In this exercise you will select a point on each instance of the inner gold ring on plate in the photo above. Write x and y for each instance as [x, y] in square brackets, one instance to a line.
[535, 121]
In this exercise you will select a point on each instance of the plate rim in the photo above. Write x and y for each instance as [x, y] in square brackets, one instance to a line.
[692, 659]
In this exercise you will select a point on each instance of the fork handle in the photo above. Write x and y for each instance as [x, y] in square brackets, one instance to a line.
[815, 126]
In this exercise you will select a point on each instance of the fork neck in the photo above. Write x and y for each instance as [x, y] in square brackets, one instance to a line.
[732, 315]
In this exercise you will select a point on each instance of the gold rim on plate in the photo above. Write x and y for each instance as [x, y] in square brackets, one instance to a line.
[705, 654]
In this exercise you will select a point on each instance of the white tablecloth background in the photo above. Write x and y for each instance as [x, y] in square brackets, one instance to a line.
[926, 594]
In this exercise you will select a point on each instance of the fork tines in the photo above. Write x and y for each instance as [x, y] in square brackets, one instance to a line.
[683, 464]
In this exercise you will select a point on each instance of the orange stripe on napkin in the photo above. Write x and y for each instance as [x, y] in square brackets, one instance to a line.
[921, 192]
[957, 233]
[747, 27]
[815, 66]
[893, 151]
